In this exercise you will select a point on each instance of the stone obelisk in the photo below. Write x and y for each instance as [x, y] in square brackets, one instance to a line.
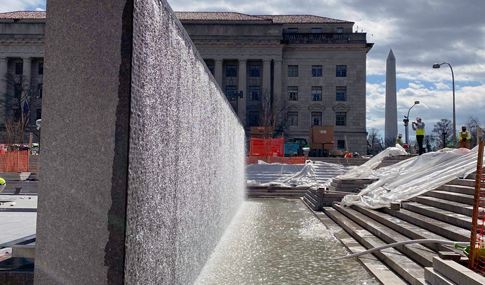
[391, 101]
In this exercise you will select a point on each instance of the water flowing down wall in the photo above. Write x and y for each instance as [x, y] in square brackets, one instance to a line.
[142, 165]
[186, 154]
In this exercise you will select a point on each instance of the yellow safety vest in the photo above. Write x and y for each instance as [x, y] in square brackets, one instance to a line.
[466, 135]
[2, 181]
[420, 132]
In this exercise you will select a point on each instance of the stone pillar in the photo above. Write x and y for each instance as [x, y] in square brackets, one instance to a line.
[277, 80]
[27, 71]
[266, 77]
[241, 104]
[218, 71]
[3, 86]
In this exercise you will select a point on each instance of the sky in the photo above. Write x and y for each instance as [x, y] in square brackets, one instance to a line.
[419, 32]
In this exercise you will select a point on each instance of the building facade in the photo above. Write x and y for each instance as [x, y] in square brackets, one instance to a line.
[305, 70]
[22, 40]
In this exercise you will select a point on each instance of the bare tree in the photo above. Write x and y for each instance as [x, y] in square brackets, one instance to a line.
[272, 114]
[375, 143]
[444, 131]
[17, 104]
[472, 125]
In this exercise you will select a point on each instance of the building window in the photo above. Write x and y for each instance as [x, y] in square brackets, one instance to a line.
[340, 30]
[231, 71]
[341, 70]
[39, 91]
[292, 70]
[254, 93]
[17, 90]
[19, 68]
[253, 118]
[316, 93]
[316, 30]
[292, 118]
[341, 93]
[316, 71]
[316, 118]
[231, 92]
[292, 30]
[38, 114]
[254, 71]
[293, 93]
[341, 119]
[211, 68]
[41, 68]
[341, 144]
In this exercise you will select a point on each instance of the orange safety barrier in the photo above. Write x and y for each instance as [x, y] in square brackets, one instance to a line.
[476, 259]
[14, 161]
[282, 160]
[267, 147]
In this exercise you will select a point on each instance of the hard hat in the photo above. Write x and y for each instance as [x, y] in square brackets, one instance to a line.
[400, 135]
[418, 118]
[463, 126]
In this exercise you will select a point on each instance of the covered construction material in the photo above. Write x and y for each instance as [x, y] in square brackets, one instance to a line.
[267, 147]
[412, 177]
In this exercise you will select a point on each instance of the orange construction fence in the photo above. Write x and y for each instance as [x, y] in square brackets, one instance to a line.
[267, 147]
[14, 161]
[282, 160]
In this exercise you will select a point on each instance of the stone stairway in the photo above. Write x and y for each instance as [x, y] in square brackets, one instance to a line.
[390, 160]
[444, 214]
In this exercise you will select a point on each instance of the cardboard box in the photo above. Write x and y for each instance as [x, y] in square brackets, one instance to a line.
[320, 135]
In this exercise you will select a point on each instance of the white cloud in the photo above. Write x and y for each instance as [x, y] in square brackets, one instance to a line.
[441, 85]
[39, 9]
[20, 5]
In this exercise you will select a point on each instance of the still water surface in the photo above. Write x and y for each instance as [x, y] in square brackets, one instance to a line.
[279, 241]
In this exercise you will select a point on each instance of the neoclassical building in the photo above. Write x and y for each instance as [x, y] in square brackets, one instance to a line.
[312, 69]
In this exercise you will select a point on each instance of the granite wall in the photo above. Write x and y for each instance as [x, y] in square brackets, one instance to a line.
[142, 160]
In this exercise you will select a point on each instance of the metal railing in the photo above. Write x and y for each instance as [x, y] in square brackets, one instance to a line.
[325, 38]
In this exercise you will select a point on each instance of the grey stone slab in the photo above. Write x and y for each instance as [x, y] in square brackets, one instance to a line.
[434, 278]
[457, 272]
[16, 225]
[86, 105]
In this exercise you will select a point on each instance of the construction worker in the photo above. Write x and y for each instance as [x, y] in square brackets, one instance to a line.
[399, 140]
[3, 183]
[464, 136]
[419, 128]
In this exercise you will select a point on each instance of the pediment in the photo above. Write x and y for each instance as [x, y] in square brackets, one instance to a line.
[316, 107]
[293, 108]
[341, 108]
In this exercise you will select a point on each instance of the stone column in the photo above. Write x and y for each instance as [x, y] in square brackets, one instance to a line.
[218, 71]
[277, 80]
[266, 77]
[27, 71]
[241, 104]
[3, 86]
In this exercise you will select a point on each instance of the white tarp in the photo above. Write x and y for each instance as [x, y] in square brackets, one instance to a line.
[415, 176]
[310, 174]
[366, 169]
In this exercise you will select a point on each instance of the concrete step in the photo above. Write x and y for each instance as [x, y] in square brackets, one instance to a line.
[435, 278]
[441, 228]
[417, 252]
[405, 228]
[456, 207]
[439, 214]
[456, 272]
[457, 189]
[404, 266]
[464, 182]
[450, 196]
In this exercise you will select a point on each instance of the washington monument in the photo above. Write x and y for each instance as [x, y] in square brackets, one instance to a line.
[391, 101]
